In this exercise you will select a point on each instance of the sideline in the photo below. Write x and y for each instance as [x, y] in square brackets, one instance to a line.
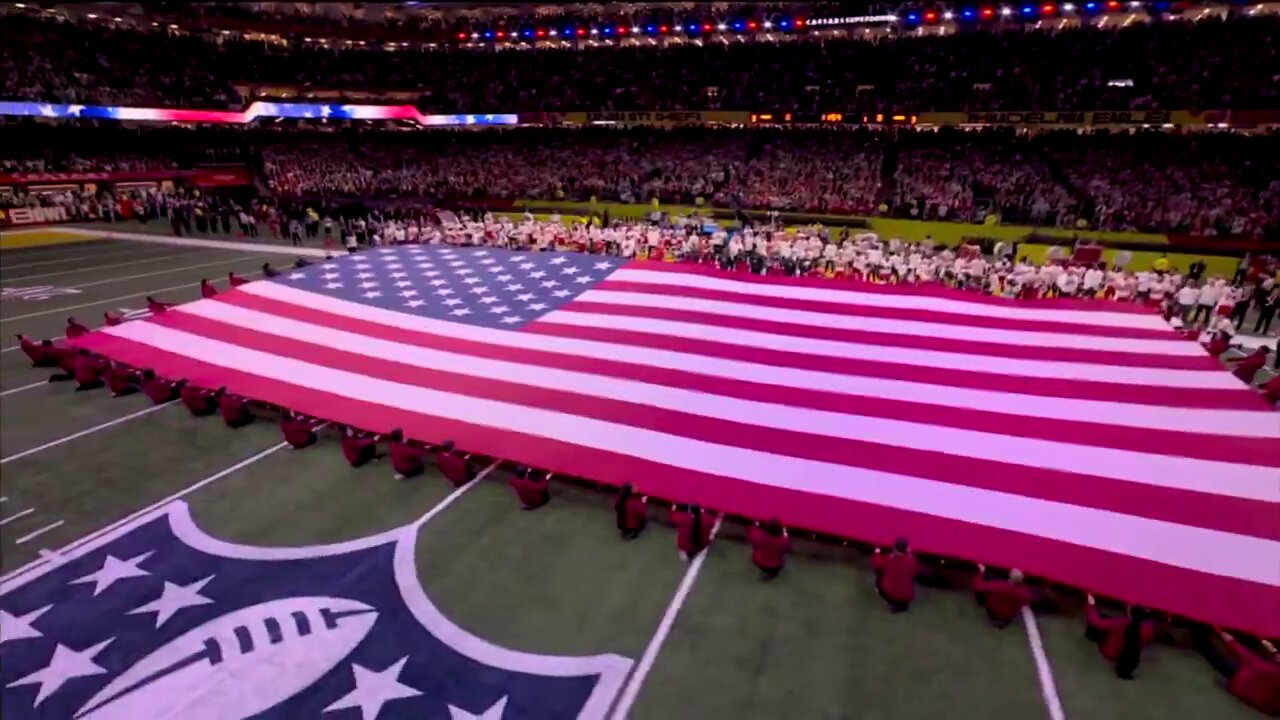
[1048, 688]
[82, 433]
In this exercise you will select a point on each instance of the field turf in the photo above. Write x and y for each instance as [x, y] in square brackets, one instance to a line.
[817, 643]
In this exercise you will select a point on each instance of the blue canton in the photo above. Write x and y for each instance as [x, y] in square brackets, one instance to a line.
[488, 287]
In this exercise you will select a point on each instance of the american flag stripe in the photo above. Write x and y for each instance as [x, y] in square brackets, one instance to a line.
[1171, 501]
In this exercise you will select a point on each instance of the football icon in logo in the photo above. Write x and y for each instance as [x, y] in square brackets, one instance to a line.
[239, 664]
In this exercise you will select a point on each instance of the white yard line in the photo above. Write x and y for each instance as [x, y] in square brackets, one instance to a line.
[24, 387]
[106, 301]
[1048, 688]
[38, 533]
[73, 258]
[91, 268]
[174, 241]
[82, 433]
[123, 278]
[11, 518]
[632, 690]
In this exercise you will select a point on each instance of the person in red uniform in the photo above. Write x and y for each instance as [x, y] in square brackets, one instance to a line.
[207, 290]
[533, 492]
[41, 353]
[407, 459]
[88, 370]
[358, 447]
[1002, 599]
[454, 465]
[268, 271]
[1218, 344]
[630, 513]
[121, 380]
[233, 408]
[896, 573]
[298, 430]
[693, 530]
[155, 307]
[1271, 390]
[1253, 676]
[158, 389]
[234, 280]
[75, 329]
[769, 546]
[199, 401]
[1248, 367]
[1121, 639]
[111, 319]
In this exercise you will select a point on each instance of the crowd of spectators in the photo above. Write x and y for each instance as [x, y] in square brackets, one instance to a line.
[1209, 63]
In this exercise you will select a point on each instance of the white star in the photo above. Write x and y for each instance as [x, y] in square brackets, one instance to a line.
[538, 306]
[426, 265]
[174, 598]
[515, 286]
[526, 266]
[444, 291]
[465, 271]
[538, 274]
[415, 303]
[403, 283]
[479, 290]
[329, 266]
[18, 627]
[333, 285]
[297, 276]
[583, 279]
[602, 265]
[331, 276]
[384, 251]
[460, 311]
[493, 713]
[512, 319]
[65, 665]
[457, 263]
[499, 309]
[362, 266]
[431, 273]
[368, 284]
[526, 297]
[549, 283]
[562, 293]
[503, 278]
[114, 569]
[398, 274]
[452, 301]
[488, 299]
[373, 294]
[394, 266]
[559, 260]
[471, 281]
[408, 293]
[364, 275]
[487, 261]
[568, 271]
[438, 282]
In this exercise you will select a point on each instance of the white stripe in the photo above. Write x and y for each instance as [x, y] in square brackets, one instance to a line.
[893, 300]
[1241, 423]
[61, 310]
[37, 533]
[76, 258]
[24, 387]
[108, 281]
[1230, 479]
[950, 331]
[92, 268]
[1197, 549]
[82, 433]
[11, 518]
[1048, 687]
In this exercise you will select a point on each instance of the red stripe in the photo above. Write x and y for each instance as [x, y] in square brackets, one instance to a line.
[1254, 451]
[918, 342]
[1047, 387]
[1178, 506]
[924, 289]
[855, 309]
[1228, 602]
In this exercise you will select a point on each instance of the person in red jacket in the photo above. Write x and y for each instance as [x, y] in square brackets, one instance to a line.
[199, 401]
[234, 280]
[155, 307]
[1248, 367]
[693, 530]
[1252, 676]
[407, 459]
[233, 408]
[533, 492]
[298, 430]
[88, 371]
[769, 546]
[629, 513]
[454, 465]
[120, 379]
[207, 290]
[359, 448]
[1218, 344]
[158, 389]
[41, 353]
[1271, 390]
[111, 319]
[75, 329]
[1002, 599]
[1121, 639]
[896, 573]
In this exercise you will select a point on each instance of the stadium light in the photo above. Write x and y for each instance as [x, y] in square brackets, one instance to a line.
[553, 32]
[622, 29]
[1005, 12]
[1068, 7]
[947, 15]
[635, 30]
[462, 36]
[912, 17]
[1027, 9]
[799, 22]
[722, 27]
[768, 25]
[542, 33]
[607, 31]
[738, 25]
[501, 34]
[582, 32]
[988, 12]
[1047, 9]
[784, 24]
[752, 25]
[488, 34]
[706, 27]
[930, 16]
[663, 28]
[594, 31]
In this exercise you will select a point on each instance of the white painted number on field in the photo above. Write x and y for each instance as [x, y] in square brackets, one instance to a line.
[35, 292]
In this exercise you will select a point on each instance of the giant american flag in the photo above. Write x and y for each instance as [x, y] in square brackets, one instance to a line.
[1085, 442]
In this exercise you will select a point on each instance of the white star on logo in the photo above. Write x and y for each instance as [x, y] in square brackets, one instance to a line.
[559, 261]
[415, 303]
[512, 319]
[452, 301]
[526, 297]
[493, 713]
[18, 627]
[471, 281]
[174, 598]
[465, 271]
[439, 282]
[375, 689]
[431, 273]
[515, 286]
[368, 284]
[487, 261]
[394, 266]
[362, 266]
[297, 276]
[568, 271]
[366, 275]
[538, 306]
[526, 266]
[602, 265]
[583, 279]
[503, 278]
[426, 265]
[408, 293]
[329, 266]
[481, 253]
[333, 285]
[498, 310]
[460, 311]
[373, 294]
[562, 293]
[403, 283]
[444, 291]
[331, 276]
[538, 274]
[479, 290]
[398, 274]
[65, 665]
[114, 569]
[488, 299]
[457, 263]
[549, 283]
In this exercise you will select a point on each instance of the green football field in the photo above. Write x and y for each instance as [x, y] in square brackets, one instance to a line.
[710, 640]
